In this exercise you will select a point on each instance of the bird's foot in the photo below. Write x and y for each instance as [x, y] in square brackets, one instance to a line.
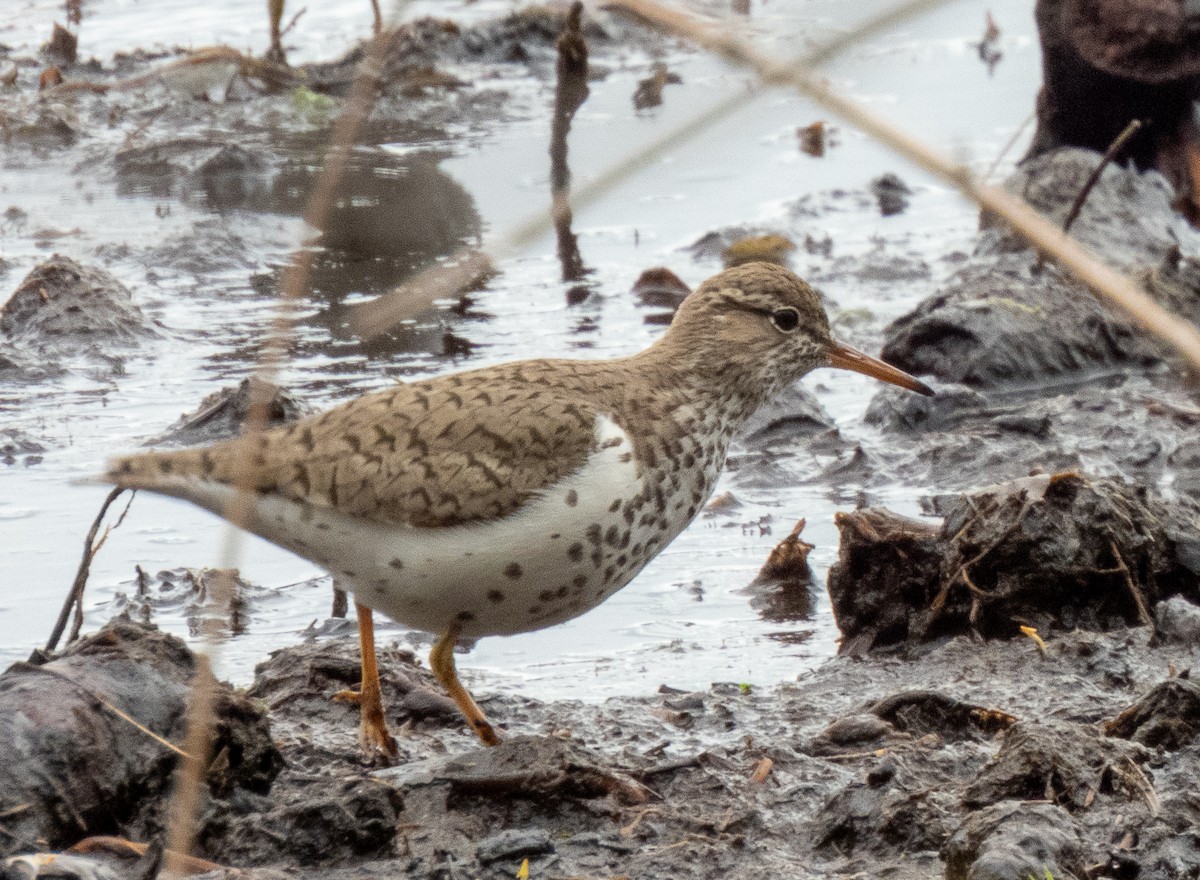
[378, 746]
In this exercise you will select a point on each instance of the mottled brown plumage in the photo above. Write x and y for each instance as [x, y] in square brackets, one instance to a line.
[517, 496]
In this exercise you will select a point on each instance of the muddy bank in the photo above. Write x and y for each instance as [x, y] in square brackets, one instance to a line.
[983, 759]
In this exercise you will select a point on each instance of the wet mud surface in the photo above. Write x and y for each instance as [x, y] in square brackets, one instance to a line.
[888, 767]
[1013, 695]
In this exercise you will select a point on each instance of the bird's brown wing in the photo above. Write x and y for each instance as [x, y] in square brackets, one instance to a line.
[450, 450]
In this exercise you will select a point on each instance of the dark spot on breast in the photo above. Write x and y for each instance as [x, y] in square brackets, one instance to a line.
[166, 466]
[464, 616]
[622, 559]
[561, 592]
[545, 595]
[575, 552]
[323, 526]
[615, 506]
[580, 581]
[396, 564]
[629, 514]
[626, 457]
[609, 573]
[348, 573]
[555, 536]
[495, 596]
[513, 570]
[612, 536]
[572, 498]
[611, 442]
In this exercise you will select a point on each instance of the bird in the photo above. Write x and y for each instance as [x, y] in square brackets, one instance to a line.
[514, 497]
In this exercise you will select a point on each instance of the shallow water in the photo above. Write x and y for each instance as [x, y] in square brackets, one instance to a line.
[684, 621]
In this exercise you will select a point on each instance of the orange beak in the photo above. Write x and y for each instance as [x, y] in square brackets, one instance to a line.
[843, 357]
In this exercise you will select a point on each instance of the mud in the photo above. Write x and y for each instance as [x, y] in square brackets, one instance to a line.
[62, 310]
[74, 767]
[1006, 319]
[953, 765]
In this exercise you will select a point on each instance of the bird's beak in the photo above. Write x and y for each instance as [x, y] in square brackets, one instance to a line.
[843, 357]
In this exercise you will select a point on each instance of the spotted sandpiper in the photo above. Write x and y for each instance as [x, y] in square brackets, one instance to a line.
[517, 496]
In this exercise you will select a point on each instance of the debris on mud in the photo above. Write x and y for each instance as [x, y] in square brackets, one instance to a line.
[783, 590]
[1064, 550]
[223, 413]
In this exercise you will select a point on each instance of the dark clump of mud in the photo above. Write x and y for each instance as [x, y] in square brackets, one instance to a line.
[1006, 318]
[63, 308]
[223, 413]
[75, 766]
[1061, 551]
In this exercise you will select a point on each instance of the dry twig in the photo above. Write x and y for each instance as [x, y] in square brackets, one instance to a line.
[1115, 288]
[1114, 148]
[90, 548]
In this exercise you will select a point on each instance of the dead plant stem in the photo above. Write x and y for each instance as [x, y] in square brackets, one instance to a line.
[1110, 285]
[1118, 144]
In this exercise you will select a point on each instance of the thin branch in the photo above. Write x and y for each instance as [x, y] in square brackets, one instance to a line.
[1135, 592]
[189, 782]
[1118, 144]
[1110, 285]
[90, 547]
[373, 318]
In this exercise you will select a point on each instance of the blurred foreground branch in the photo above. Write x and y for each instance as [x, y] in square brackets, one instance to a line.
[1107, 283]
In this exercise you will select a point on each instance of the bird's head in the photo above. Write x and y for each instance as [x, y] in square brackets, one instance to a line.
[763, 321]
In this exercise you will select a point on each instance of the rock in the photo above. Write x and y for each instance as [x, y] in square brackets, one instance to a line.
[1014, 841]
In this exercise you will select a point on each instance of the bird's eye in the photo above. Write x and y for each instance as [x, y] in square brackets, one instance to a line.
[786, 320]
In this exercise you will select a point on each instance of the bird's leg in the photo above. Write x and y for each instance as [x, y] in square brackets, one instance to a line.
[441, 661]
[373, 736]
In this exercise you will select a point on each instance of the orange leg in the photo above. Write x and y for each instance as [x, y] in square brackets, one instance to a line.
[441, 661]
[373, 736]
